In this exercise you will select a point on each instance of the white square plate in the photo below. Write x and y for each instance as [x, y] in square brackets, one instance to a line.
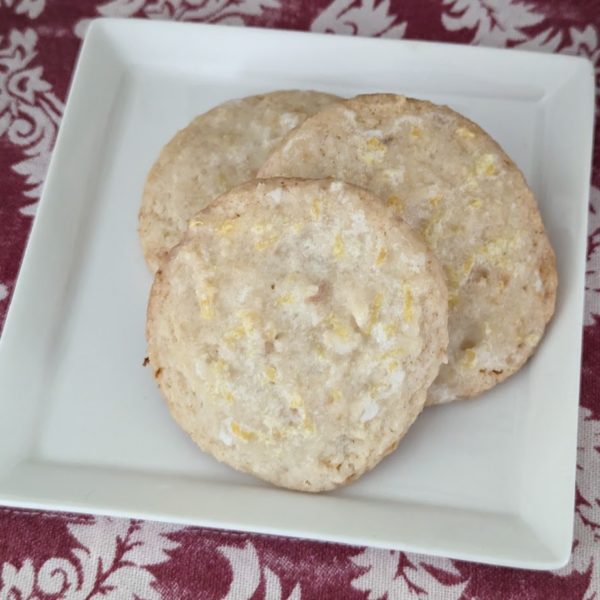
[82, 425]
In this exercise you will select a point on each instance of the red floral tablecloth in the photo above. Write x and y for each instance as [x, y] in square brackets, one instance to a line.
[50, 556]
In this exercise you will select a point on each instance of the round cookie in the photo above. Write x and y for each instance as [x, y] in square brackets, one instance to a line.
[216, 151]
[452, 182]
[295, 330]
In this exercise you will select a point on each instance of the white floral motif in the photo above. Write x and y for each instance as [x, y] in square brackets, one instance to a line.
[31, 8]
[587, 514]
[588, 466]
[230, 12]
[246, 570]
[394, 576]
[367, 17]
[548, 40]
[29, 112]
[592, 281]
[109, 564]
[3, 292]
[17, 581]
[497, 22]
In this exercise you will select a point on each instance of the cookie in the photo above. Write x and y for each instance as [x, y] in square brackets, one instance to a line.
[216, 151]
[452, 182]
[295, 330]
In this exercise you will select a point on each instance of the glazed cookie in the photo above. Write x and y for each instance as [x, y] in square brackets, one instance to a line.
[216, 151]
[295, 330]
[452, 182]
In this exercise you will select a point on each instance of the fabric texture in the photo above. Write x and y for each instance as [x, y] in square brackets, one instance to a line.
[46, 555]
